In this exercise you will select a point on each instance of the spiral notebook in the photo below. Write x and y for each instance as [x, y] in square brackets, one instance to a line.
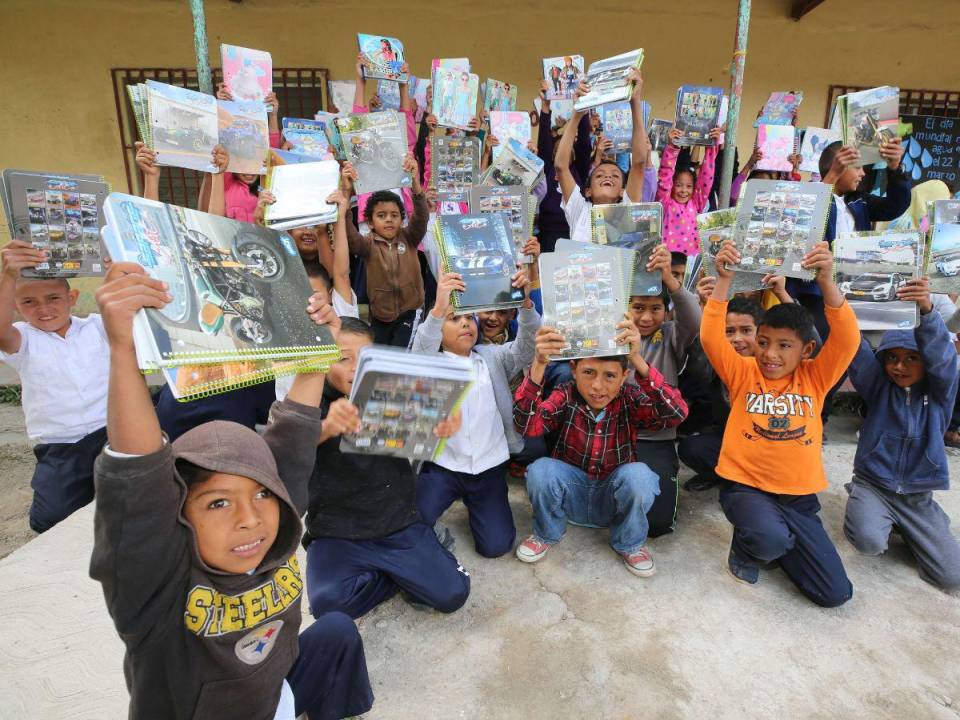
[869, 268]
[698, 109]
[513, 202]
[714, 229]
[481, 249]
[943, 266]
[239, 290]
[586, 290]
[607, 79]
[384, 57]
[778, 222]
[59, 213]
[454, 163]
[301, 191]
[637, 226]
[401, 398]
[506, 125]
[869, 118]
[454, 96]
[516, 165]
[248, 74]
[376, 144]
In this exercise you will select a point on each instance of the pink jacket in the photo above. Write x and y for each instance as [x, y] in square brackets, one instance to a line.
[680, 219]
[239, 202]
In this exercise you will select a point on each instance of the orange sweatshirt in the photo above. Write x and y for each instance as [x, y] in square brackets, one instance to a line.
[774, 433]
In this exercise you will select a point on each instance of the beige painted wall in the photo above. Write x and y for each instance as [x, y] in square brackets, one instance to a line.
[56, 56]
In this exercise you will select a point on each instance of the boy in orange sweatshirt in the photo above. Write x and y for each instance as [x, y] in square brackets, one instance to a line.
[773, 438]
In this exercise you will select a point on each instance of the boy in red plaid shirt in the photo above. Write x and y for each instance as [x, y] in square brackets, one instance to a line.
[594, 478]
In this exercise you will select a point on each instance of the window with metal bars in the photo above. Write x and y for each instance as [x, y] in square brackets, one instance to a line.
[941, 103]
[300, 91]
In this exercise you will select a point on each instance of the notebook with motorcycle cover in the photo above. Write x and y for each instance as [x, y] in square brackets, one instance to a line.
[698, 108]
[244, 134]
[512, 201]
[778, 222]
[868, 118]
[239, 290]
[401, 398]
[715, 228]
[301, 192]
[61, 214]
[376, 144]
[869, 268]
[479, 248]
[943, 267]
[454, 163]
[190, 382]
[607, 79]
[636, 226]
[586, 291]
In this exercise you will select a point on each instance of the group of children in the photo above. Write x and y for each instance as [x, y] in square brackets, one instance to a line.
[198, 517]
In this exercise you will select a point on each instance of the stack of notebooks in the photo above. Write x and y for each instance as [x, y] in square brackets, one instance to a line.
[238, 314]
[608, 81]
[869, 268]
[516, 165]
[376, 144]
[183, 126]
[868, 118]
[637, 226]
[454, 163]
[586, 290]
[698, 112]
[481, 249]
[401, 398]
[943, 268]
[61, 214]
[301, 191]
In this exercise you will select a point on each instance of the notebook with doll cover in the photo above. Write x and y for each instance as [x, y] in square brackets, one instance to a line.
[563, 75]
[868, 118]
[506, 125]
[245, 135]
[513, 202]
[777, 143]
[869, 268]
[515, 165]
[59, 213]
[499, 95]
[586, 291]
[637, 226]
[607, 79]
[815, 141]
[454, 97]
[781, 108]
[454, 163]
[389, 93]
[340, 94]
[183, 126]
[778, 222]
[248, 74]
[383, 58]
[401, 398]
[301, 191]
[239, 290]
[715, 228]
[481, 249]
[698, 109]
[943, 266]
[376, 144]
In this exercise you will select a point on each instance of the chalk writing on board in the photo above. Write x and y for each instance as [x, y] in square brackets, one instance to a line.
[933, 149]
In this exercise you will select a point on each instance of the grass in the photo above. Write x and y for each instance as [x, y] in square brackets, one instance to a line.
[9, 394]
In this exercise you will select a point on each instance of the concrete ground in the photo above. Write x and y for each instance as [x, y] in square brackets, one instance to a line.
[575, 636]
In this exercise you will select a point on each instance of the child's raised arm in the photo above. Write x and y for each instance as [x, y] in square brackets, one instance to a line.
[146, 161]
[360, 88]
[568, 185]
[933, 339]
[132, 425]
[728, 365]
[639, 145]
[218, 198]
[341, 250]
[841, 344]
[15, 256]
[701, 192]
[532, 415]
[668, 165]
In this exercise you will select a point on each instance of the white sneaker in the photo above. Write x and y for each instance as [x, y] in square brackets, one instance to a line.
[531, 550]
[639, 562]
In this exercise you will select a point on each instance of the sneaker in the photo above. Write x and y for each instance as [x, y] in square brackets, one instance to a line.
[700, 483]
[639, 562]
[531, 550]
[741, 570]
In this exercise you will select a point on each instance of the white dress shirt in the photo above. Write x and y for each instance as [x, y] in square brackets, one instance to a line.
[845, 221]
[64, 379]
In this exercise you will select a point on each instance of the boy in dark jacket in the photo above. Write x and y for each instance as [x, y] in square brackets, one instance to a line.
[196, 543]
[910, 383]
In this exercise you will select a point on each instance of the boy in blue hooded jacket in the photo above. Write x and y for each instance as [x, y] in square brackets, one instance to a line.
[909, 384]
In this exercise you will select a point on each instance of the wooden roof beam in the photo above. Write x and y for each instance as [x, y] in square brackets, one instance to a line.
[802, 7]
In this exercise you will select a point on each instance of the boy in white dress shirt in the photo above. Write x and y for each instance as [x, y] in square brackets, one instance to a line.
[473, 464]
[63, 363]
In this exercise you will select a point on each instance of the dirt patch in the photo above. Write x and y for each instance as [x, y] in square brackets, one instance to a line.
[16, 469]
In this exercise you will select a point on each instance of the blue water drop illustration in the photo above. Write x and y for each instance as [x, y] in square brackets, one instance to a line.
[926, 160]
[913, 147]
[915, 174]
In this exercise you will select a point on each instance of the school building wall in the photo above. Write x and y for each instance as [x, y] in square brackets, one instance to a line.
[58, 100]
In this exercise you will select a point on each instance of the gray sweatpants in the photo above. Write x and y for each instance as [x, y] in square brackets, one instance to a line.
[871, 514]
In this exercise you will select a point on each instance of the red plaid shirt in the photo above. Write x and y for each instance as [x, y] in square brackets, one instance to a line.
[598, 446]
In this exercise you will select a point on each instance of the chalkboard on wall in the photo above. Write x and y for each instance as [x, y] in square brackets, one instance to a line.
[933, 149]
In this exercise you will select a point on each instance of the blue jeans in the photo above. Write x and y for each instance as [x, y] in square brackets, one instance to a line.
[560, 492]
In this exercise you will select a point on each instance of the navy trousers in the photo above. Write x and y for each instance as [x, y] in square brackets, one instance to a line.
[63, 479]
[485, 497]
[700, 453]
[661, 457]
[329, 679]
[768, 527]
[354, 576]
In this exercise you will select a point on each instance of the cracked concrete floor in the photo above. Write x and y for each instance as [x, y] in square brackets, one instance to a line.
[575, 636]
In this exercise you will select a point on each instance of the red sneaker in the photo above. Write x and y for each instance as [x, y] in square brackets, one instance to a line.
[531, 550]
[639, 562]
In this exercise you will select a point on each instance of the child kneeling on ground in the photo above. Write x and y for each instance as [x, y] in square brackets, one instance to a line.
[195, 547]
[910, 384]
[593, 477]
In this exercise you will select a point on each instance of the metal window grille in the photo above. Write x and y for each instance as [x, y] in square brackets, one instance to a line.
[942, 103]
[301, 92]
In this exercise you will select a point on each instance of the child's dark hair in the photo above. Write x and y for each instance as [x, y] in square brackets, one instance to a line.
[790, 316]
[689, 170]
[316, 270]
[192, 474]
[664, 296]
[827, 156]
[623, 175]
[744, 306]
[621, 360]
[354, 326]
[678, 258]
[382, 196]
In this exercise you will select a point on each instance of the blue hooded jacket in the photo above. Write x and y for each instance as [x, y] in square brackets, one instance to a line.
[901, 442]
